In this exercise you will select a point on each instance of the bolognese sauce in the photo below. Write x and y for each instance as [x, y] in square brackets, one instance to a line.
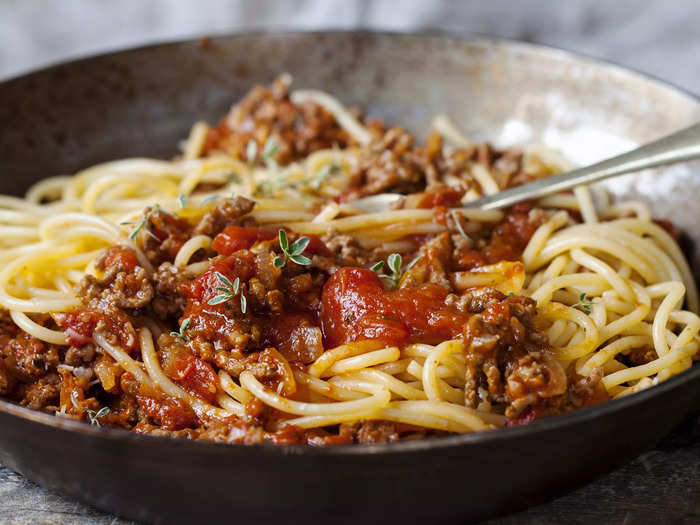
[261, 324]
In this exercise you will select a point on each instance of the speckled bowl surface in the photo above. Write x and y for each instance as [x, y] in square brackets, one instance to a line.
[141, 102]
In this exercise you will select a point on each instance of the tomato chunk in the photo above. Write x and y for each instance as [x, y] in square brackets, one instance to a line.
[121, 257]
[235, 238]
[204, 287]
[355, 306]
[79, 326]
[170, 413]
[445, 197]
[294, 335]
[193, 374]
[316, 246]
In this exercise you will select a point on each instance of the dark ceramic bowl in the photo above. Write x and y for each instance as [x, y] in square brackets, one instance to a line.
[141, 102]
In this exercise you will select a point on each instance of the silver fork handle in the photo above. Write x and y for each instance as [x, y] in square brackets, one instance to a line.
[680, 146]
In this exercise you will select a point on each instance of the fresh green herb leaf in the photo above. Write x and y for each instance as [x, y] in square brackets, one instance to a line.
[298, 246]
[326, 171]
[284, 242]
[228, 290]
[411, 264]
[183, 200]
[143, 223]
[209, 199]
[139, 226]
[377, 266]
[167, 212]
[270, 148]
[301, 260]
[274, 184]
[583, 304]
[95, 416]
[292, 253]
[183, 328]
[223, 279]
[222, 298]
[394, 262]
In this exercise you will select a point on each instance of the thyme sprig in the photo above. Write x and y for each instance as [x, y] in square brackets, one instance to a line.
[583, 303]
[94, 416]
[269, 151]
[143, 223]
[292, 252]
[228, 290]
[181, 335]
[394, 262]
[326, 171]
[209, 199]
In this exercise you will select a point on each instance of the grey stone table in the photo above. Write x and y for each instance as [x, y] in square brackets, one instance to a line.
[661, 486]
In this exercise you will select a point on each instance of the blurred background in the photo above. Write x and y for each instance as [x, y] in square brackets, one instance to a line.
[661, 37]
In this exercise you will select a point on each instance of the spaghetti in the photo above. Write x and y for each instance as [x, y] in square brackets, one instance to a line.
[251, 290]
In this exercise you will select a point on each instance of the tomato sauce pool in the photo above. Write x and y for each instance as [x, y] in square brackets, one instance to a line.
[355, 306]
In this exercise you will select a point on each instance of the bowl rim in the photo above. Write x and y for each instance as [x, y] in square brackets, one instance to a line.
[577, 417]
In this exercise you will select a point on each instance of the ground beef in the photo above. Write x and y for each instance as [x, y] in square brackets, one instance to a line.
[7, 381]
[27, 358]
[80, 356]
[509, 358]
[168, 413]
[373, 431]
[475, 300]
[347, 251]
[506, 240]
[390, 165]
[169, 297]
[582, 390]
[506, 166]
[228, 213]
[433, 264]
[117, 288]
[7, 325]
[298, 129]
[266, 367]
[162, 234]
[233, 430]
[641, 356]
[42, 394]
